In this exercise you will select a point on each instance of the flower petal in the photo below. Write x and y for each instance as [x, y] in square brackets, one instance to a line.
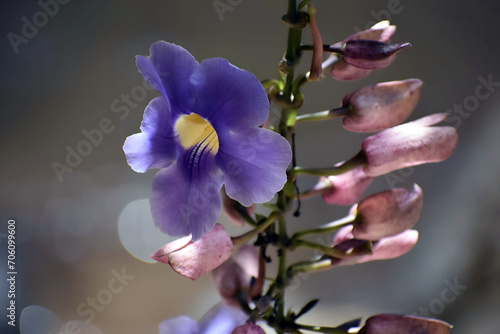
[179, 325]
[396, 324]
[162, 254]
[408, 145]
[200, 257]
[185, 198]
[382, 32]
[168, 69]
[429, 120]
[222, 319]
[254, 163]
[228, 97]
[392, 247]
[155, 147]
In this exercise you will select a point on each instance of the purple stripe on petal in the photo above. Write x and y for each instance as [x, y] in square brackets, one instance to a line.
[228, 97]
[186, 196]
[179, 325]
[254, 164]
[156, 146]
[168, 69]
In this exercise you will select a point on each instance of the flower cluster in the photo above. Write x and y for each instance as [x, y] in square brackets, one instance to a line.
[208, 135]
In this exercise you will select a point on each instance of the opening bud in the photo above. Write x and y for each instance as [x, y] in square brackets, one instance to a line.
[387, 213]
[381, 106]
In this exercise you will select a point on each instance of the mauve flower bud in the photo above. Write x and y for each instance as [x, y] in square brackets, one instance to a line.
[248, 328]
[232, 207]
[382, 32]
[368, 54]
[345, 189]
[387, 213]
[386, 248]
[381, 106]
[236, 274]
[397, 324]
[410, 144]
[343, 71]
[193, 259]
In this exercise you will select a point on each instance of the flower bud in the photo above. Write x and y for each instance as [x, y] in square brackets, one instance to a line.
[387, 213]
[343, 71]
[194, 259]
[382, 32]
[396, 324]
[381, 106]
[236, 273]
[248, 328]
[345, 189]
[368, 54]
[232, 209]
[385, 248]
[410, 144]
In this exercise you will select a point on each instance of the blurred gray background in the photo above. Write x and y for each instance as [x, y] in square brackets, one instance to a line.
[78, 67]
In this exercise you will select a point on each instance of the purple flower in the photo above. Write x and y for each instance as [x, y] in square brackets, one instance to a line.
[203, 133]
[220, 319]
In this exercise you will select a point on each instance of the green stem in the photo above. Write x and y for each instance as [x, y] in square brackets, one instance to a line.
[253, 233]
[358, 160]
[319, 263]
[327, 228]
[324, 115]
[322, 248]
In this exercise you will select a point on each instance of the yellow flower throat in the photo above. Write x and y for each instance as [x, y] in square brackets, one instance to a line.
[194, 130]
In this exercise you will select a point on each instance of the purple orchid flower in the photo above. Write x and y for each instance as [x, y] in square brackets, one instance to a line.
[204, 132]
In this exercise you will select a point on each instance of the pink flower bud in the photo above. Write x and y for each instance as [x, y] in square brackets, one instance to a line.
[410, 144]
[382, 32]
[397, 324]
[248, 328]
[194, 259]
[368, 54]
[385, 248]
[387, 213]
[381, 106]
[343, 71]
[345, 189]
[236, 273]
[231, 208]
